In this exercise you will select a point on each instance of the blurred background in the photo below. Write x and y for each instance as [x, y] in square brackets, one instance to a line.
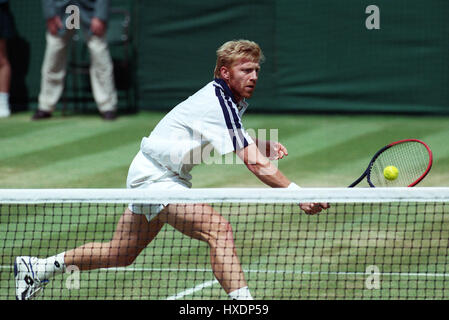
[319, 54]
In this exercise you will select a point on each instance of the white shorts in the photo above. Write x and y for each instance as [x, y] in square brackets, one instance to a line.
[146, 173]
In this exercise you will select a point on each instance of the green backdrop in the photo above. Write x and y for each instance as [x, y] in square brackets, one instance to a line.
[320, 56]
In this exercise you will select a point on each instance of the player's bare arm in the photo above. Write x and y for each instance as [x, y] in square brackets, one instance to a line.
[260, 166]
[269, 174]
[273, 150]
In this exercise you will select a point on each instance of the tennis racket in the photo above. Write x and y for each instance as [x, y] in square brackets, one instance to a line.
[412, 158]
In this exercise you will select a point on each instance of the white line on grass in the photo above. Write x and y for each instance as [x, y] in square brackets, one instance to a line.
[192, 290]
[401, 274]
[210, 283]
[299, 272]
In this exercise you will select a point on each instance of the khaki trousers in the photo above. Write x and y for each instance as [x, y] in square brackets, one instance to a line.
[54, 71]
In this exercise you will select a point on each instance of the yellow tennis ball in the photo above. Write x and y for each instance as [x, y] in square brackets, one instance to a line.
[391, 173]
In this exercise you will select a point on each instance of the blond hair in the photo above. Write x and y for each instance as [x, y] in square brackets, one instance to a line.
[234, 50]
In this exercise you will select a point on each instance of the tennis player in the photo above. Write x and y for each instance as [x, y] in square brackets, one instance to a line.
[210, 117]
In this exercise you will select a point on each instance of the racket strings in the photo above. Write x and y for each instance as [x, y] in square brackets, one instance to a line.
[411, 159]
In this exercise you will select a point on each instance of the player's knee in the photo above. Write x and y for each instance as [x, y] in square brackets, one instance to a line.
[221, 235]
[227, 228]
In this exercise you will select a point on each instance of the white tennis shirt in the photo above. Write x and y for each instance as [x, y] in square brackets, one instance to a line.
[209, 119]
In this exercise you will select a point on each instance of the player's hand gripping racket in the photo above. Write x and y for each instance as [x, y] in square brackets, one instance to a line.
[402, 163]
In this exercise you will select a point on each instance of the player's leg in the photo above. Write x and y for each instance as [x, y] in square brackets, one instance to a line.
[132, 235]
[202, 222]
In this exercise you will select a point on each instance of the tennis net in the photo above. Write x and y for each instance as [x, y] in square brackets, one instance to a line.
[374, 243]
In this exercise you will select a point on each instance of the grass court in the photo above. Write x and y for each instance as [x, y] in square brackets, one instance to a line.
[285, 254]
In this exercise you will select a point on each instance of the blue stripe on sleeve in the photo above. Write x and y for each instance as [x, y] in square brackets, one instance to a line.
[232, 122]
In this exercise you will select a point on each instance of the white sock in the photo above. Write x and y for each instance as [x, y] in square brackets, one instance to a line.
[241, 294]
[4, 104]
[50, 266]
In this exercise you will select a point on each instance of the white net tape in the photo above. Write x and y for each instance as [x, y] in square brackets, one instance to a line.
[225, 195]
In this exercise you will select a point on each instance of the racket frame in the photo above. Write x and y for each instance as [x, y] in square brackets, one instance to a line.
[378, 153]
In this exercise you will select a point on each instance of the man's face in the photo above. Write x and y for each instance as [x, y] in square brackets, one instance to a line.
[241, 78]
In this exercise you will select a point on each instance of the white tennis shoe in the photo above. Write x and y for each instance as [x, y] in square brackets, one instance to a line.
[28, 285]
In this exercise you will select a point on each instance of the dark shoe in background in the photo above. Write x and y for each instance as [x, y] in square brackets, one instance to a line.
[109, 115]
[39, 115]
